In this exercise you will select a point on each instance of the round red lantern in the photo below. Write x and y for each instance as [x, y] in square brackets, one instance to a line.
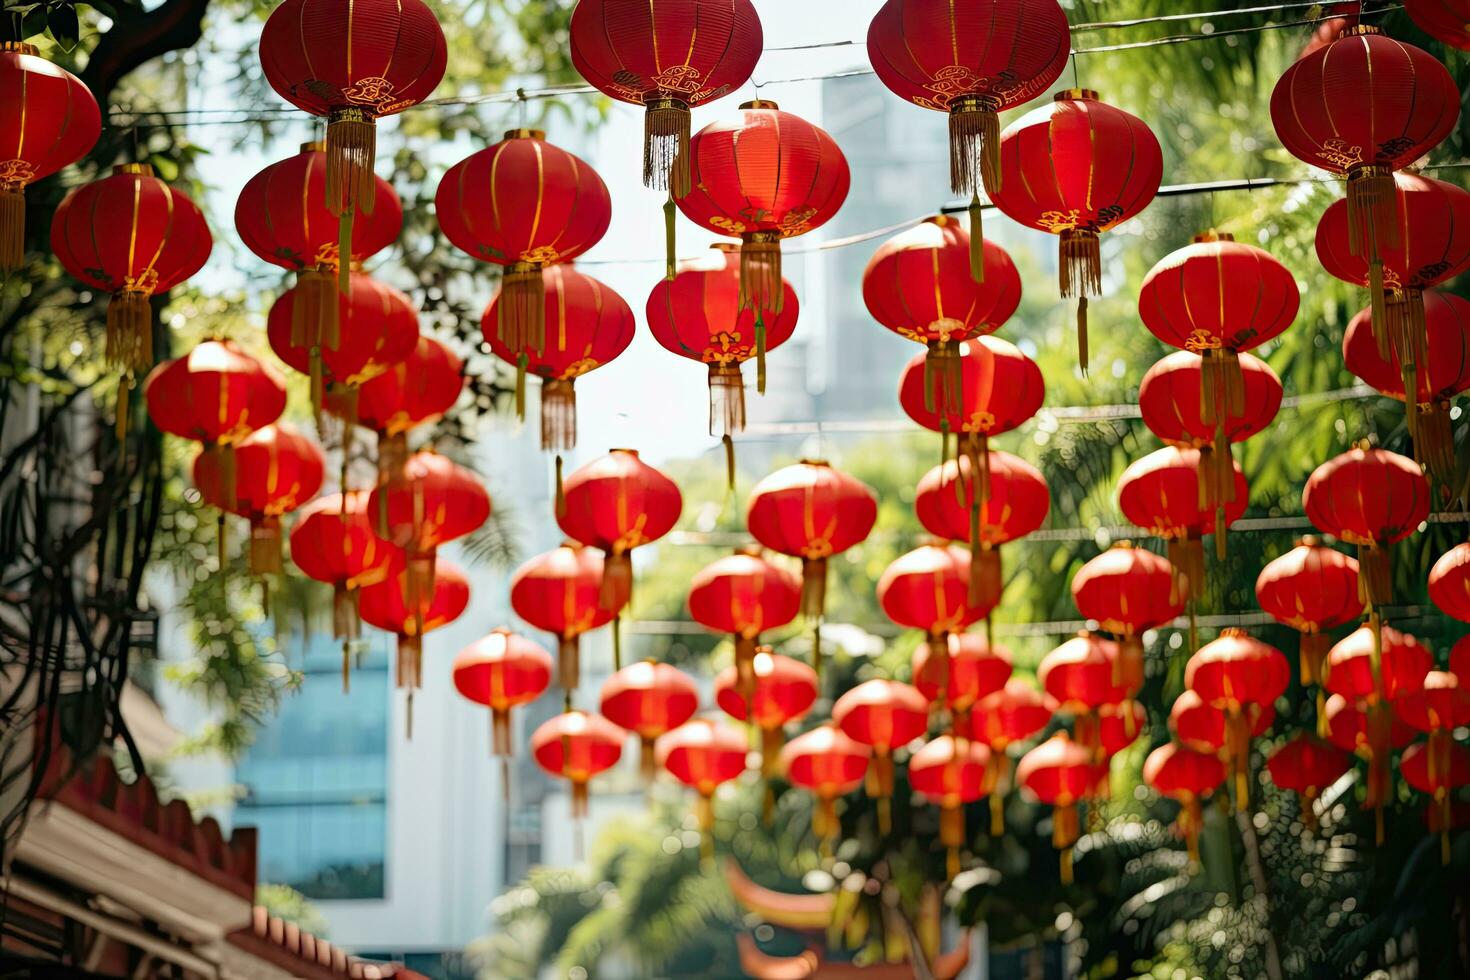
[1440, 706]
[413, 392]
[50, 120]
[1061, 773]
[389, 606]
[1241, 676]
[1119, 725]
[1449, 584]
[1218, 297]
[827, 764]
[1161, 494]
[1379, 664]
[523, 204]
[1075, 169]
[561, 592]
[1312, 589]
[500, 671]
[1128, 591]
[216, 394]
[1201, 726]
[1444, 20]
[1370, 498]
[590, 326]
[1186, 776]
[1350, 727]
[884, 715]
[1171, 400]
[1008, 716]
[702, 755]
[999, 389]
[1438, 768]
[647, 698]
[968, 670]
[764, 177]
[782, 690]
[577, 746]
[929, 589]
[333, 542]
[951, 772]
[1081, 677]
[744, 595]
[1306, 766]
[133, 236]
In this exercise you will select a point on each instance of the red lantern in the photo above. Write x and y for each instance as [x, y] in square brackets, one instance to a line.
[782, 690]
[1119, 725]
[702, 755]
[632, 52]
[352, 61]
[1081, 677]
[647, 698]
[271, 472]
[1306, 766]
[133, 236]
[1201, 726]
[1128, 591]
[333, 542]
[970, 670]
[1443, 371]
[1449, 584]
[1061, 773]
[1171, 399]
[1438, 768]
[1370, 498]
[523, 204]
[591, 325]
[972, 61]
[1242, 677]
[827, 764]
[1000, 388]
[216, 394]
[1444, 20]
[1377, 665]
[500, 671]
[1185, 775]
[415, 391]
[1440, 705]
[765, 177]
[1350, 727]
[1161, 493]
[577, 746]
[745, 595]
[1460, 658]
[929, 589]
[560, 592]
[1312, 589]
[884, 715]
[1011, 715]
[389, 605]
[49, 119]
[951, 772]
[1075, 169]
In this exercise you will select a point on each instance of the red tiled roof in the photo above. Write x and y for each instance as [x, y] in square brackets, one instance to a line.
[303, 954]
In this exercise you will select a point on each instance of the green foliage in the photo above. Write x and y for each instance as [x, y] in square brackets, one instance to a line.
[292, 907]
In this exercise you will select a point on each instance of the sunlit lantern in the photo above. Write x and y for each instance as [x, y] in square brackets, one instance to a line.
[1186, 776]
[1081, 677]
[1201, 726]
[744, 595]
[561, 592]
[1438, 769]
[959, 676]
[1449, 585]
[1306, 765]
[782, 690]
[829, 765]
[1005, 718]
[951, 772]
[577, 746]
[648, 699]
[1241, 676]
[1312, 588]
[883, 715]
[702, 755]
[500, 671]
[1128, 591]
[1161, 494]
[1062, 774]
[392, 606]
[928, 589]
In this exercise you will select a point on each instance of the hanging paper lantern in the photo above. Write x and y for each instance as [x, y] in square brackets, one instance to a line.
[782, 690]
[1444, 20]
[1161, 494]
[702, 755]
[1312, 589]
[1171, 400]
[951, 772]
[1128, 591]
[646, 698]
[333, 542]
[827, 764]
[1002, 719]
[697, 314]
[590, 326]
[1241, 676]
[1440, 706]
[1061, 773]
[216, 394]
[632, 52]
[416, 391]
[968, 670]
[1306, 766]
[1201, 726]
[744, 595]
[1449, 585]
[577, 746]
[1119, 725]
[500, 671]
[1077, 168]
[1081, 676]
[1442, 372]
[973, 61]
[50, 120]
[391, 606]
[1185, 776]
[1382, 664]
[1350, 727]
[1000, 388]
[1438, 768]
[884, 715]
[523, 204]
[133, 236]
[271, 472]
[561, 592]
[764, 177]
[929, 589]
[352, 61]
[1370, 498]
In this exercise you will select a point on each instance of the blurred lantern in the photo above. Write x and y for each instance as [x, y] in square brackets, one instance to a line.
[1449, 584]
[1011, 715]
[702, 754]
[697, 314]
[1438, 708]
[1077, 168]
[500, 671]
[352, 61]
[1128, 591]
[884, 715]
[1443, 371]
[1350, 728]
[1186, 776]
[1444, 20]
[1312, 588]
[49, 120]
[216, 394]
[413, 392]
[1161, 494]
[632, 52]
[561, 592]
[744, 595]
[1061, 773]
[764, 177]
[133, 236]
[782, 690]
[1370, 498]
[389, 606]
[827, 764]
[1242, 677]
[590, 326]
[577, 746]
[1081, 677]
[958, 676]
[523, 204]
[929, 589]
[951, 772]
[973, 62]
[271, 472]
[1438, 768]
[1013, 503]
[1306, 766]
[648, 699]
[1119, 725]
[1201, 726]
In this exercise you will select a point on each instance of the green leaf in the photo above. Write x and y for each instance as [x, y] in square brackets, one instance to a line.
[167, 168]
[61, 23]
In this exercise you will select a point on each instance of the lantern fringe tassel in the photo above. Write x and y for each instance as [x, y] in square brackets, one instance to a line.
[977, 239]
[1080, 271]
[568, 663]
[1372, 196]
[1066, 827]
[617, 580]
[974, 145]
[521, 313]
[316, 323]
[760, 272]
[943, 379]
[999, 772]
[558, 416]
[130, 330]
[879, 785]
[666, 146]
[345, 622]
[726, 399]
[952, 836]
[813, 587]
[12, 226]
[1187, 555]
[351, 152]
[1375, 574]
[500, 731]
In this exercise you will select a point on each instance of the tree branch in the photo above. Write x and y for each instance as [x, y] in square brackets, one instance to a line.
[137, 37]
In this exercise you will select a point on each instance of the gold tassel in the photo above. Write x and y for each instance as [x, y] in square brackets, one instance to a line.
[1372, 202]
[568, 663]
[521, 313]
[222, 541]
[558, 415]
[265, 546]
[1376, 574]
[813, 587]
[1378, 305]
[817, 649]
[351, 152]
[974, 144]
[1187, 555]
[12, 226]
[726, 399]
[500, 731]
[952, 836]
[617, 638]
[760, 352]
[666, 146]
[120, 418]
[617, 579]
[1065, 828]
[1080, 277]
[130, 330]
[345, 624]
[729, 462]
[669, 243]
[760, 272]
[346, 666]
[941, 393]
[977, 240]
[522, 362]
[561, 496]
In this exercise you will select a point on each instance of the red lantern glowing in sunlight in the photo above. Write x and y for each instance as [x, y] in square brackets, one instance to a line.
[390, 605]
[1243, 677]
[744, 595]
[827, 764]
[49, 120]
[782, 690]
[763, 177]
[1186, 776]
[1438, 768]
[1171, 400]
[415, 391]
[216, 394]
[561, 592]
[1370, 498]
[577, 746]
[1128, 591]
[883, 715]
[1306, 766]
[1201, 726]
[1119, 725]
[973, 62]
[1351, 729]
[523, 204]
[1377, 665]
[1444, 20]
[928, 589]
[1312, 589]
[133, 236]
[1449, 585]
[1081, 675]
[959, 676]
[333, 542]
[1002, 719]
[1440, 706]
[702, 755]
[1161, 494]
[951, 772]
[1076, 168]
[502, 670]
[648, 699]
[1061, 773]
[590, 325]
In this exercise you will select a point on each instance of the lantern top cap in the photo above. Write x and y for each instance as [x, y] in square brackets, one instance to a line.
[759, 104]
[314, 146]
[730, 247]
[630, 452]
[1234, 633]
[525, 134]
[19, 47]
[815, 462]
[141, 169]
[1308, 541]
[1075, 94]
[750, 550]
[1213, 236]
[1359, 30]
